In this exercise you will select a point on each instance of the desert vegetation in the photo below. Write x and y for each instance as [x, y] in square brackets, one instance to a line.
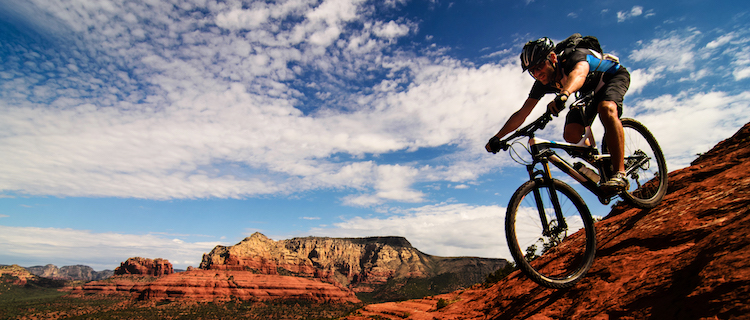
[500, 274]
[45, 299]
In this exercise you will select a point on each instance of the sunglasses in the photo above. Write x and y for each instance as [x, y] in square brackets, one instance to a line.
[536, 68]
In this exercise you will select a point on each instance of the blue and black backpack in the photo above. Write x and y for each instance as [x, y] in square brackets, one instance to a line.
[598, 60]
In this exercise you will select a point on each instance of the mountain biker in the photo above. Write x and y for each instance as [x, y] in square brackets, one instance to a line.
[564, 74]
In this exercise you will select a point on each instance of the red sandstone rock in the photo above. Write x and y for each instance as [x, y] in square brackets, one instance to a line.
[688, 258]
[201, 285]
[143, 266]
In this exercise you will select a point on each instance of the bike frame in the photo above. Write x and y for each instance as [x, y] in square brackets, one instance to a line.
[548, 193]
[542, 153]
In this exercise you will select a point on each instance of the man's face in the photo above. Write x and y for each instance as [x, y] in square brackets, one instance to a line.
[544, 71]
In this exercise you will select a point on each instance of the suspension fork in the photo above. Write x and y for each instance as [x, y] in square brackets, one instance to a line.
[547, 180]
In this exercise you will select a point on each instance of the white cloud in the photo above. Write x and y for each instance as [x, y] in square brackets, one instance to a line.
[688, 124]
[722, 40]
[740, 74]
[625, 15]
[640, 78]
[39, 246]
[691, 121]
[740, 59]
[436, 229]
[674, 52]
[237, 18]
[390, 30]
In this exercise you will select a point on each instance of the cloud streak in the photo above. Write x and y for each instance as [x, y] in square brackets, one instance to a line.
[39, 246]
[436, 229]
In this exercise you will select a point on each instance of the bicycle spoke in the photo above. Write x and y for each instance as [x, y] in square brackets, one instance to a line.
[554, 255]
[645, 165]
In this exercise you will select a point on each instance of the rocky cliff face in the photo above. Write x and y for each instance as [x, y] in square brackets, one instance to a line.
[361, 264]
[688, 258]
[77, 272]
[144, 266]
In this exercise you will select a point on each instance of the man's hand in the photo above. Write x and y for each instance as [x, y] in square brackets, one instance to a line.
[557, 105]
[494, 145]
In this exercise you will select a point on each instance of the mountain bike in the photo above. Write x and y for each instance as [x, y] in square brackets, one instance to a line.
[546, 215]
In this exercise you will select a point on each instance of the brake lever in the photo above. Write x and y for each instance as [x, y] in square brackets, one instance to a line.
[545, 119]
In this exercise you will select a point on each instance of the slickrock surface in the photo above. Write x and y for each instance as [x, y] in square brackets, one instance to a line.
[688, 258]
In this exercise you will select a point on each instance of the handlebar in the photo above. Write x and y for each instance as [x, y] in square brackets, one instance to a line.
[528, 131]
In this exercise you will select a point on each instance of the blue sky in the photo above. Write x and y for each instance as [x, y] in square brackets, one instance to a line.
[164, 128]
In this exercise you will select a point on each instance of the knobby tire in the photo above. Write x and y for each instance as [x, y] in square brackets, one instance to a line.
[560, 259]
[647, 184]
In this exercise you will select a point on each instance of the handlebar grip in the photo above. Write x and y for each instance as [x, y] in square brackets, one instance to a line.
[504, 145]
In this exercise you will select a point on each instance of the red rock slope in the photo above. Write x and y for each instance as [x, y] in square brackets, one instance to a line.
[688, 258]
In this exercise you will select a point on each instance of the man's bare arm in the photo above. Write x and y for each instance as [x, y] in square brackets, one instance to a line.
[576, 78]
[517, 119]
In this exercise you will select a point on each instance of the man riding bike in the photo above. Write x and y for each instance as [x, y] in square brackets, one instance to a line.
[575, 69]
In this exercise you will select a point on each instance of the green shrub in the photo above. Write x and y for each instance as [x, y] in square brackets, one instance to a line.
[500, 274]
[442, 303]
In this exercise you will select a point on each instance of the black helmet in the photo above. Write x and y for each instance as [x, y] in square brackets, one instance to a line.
[535, 52]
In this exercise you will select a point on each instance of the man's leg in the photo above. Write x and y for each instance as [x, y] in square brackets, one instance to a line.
[615, 139]
[573, 132]
[574, 126]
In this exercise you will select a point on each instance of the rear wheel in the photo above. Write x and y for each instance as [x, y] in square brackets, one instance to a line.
[553, 249]
[645, 164]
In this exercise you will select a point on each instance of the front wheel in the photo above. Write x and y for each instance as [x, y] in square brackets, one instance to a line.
[550, 233]
[645, 164]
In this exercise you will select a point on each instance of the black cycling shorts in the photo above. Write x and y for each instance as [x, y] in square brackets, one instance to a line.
[614, 89]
